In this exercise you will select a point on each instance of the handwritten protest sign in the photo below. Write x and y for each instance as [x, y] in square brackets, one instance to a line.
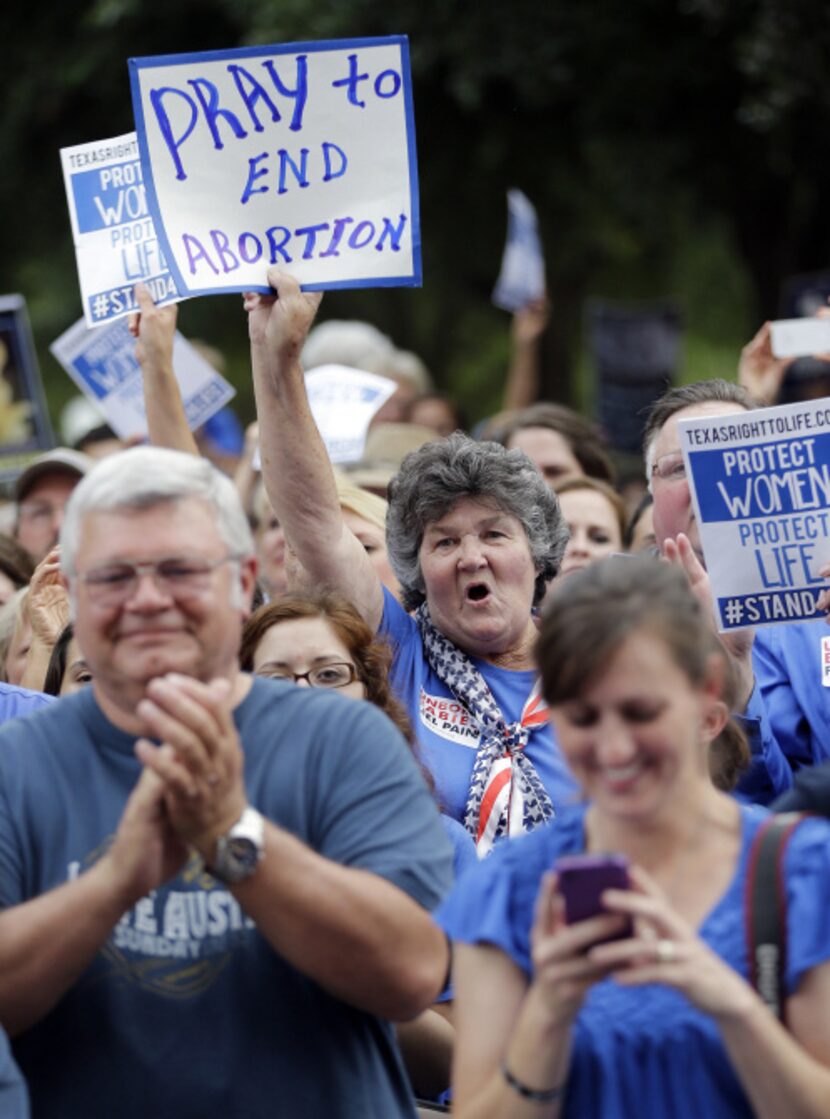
[522, 277]
[103, 365]
[761, 491]
[301, 155]
[115, 240]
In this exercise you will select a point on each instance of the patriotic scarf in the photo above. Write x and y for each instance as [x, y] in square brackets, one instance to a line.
[506, 796]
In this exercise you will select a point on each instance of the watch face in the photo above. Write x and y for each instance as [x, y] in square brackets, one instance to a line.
[244, 852]
[238, 855]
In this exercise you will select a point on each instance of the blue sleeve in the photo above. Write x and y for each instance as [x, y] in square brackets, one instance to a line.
[12, 871]
[783, 709]
[494, 902]
[807, 865]
[377, 810]
[14, 1098]
[768, 775]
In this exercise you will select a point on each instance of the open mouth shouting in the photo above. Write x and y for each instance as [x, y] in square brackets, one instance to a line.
[477, 593]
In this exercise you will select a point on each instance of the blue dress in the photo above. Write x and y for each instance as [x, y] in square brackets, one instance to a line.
[646, 1052]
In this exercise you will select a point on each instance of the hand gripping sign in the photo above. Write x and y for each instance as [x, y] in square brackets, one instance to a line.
[300, 155]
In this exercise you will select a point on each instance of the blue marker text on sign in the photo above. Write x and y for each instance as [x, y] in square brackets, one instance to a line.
[324, 130]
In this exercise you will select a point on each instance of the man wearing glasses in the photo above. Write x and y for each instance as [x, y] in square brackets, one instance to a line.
[218, 884]
[786, 710]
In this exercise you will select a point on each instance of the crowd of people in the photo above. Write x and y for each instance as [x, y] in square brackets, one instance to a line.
[288, 757]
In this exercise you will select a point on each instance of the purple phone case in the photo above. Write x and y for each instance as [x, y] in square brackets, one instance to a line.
[582, 880]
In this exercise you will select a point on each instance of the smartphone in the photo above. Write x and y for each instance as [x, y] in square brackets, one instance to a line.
[800, 337]
[582, 880]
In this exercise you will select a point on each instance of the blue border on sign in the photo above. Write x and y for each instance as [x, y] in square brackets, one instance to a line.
[413, 279]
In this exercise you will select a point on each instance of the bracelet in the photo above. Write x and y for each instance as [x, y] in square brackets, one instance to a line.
[537, 1095]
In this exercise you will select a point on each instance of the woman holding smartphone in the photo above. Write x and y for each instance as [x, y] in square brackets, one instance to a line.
[643, 1010]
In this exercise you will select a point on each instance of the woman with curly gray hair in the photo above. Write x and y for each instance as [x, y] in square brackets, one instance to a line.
[474, 535]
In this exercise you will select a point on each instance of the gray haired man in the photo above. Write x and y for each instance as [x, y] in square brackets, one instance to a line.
[216, 887]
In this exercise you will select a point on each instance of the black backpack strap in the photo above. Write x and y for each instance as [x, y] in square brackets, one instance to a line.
[766, 909]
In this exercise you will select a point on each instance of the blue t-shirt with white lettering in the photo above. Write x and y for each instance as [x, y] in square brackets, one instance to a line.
[447, 734]
[186, 1011]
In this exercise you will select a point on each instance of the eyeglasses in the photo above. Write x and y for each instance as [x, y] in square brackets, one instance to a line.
[336, 675]
[670, 468]
[178, 577]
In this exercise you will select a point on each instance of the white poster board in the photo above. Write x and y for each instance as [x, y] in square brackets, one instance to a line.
[522, 277]
[103, 365]
[115, 240]
[300, 155]
[343, 401]
[761, 489]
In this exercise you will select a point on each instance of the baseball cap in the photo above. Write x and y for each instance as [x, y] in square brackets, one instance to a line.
[61, 460]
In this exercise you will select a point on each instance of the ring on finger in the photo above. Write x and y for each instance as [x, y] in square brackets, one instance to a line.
[665, 951]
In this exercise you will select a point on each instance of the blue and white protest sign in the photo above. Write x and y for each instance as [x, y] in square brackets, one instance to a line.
[103, 365]
[300, 155]
[343, 402]
[761, 489]
[115, 239]
[522, 277]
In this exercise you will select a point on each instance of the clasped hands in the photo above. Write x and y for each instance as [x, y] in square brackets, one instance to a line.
[199, 758]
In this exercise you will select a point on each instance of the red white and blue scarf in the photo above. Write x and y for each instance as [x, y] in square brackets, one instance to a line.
[506, 796]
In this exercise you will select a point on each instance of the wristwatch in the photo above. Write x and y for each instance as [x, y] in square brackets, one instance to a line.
[240, 850]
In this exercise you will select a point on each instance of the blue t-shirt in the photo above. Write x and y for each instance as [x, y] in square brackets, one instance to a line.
[646, 1052]
[14, 1099]
[792, 667]
[186, 1011]
[447, 734]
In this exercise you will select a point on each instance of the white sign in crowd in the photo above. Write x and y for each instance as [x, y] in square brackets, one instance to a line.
[761, 491]
[116, 244]
[522, 276]
[343, 402]
[103, 365]
[301, 155]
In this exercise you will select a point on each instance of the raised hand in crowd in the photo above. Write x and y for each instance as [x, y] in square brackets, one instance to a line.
[154, 329]
[737, 643]
[528, 325]
[47, 608]
[759, 370]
